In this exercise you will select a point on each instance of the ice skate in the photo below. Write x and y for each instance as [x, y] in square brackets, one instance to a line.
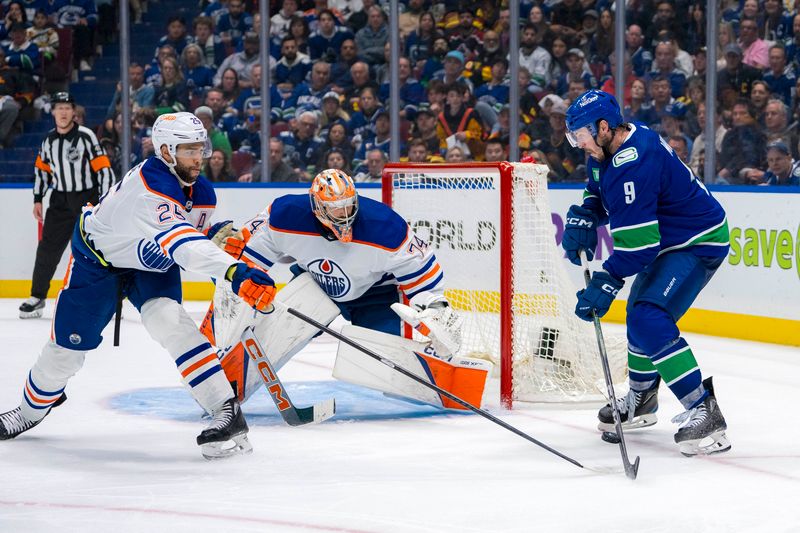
[13, 422]
[31, 308]
[226, 435]
[643, 405]
[703, 429]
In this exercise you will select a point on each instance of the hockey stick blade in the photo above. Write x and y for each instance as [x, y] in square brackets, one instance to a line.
[293, 415]
[631, 469]
[335, 334]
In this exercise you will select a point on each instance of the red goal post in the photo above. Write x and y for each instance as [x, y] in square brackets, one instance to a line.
[490, 225]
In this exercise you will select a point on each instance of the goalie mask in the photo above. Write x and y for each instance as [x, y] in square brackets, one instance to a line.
[173, 130]
[334, 201]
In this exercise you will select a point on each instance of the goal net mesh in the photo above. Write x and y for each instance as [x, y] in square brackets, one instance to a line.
[457, 210]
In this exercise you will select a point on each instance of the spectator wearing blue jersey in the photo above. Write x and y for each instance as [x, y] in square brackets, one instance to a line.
[362, 122]
[340, 70]
[577, 69]
[21, 53]
[233, 24]
[492, 96]
[781, 169]
[141, 94]
[176, 35]
[246, 135]
[308, 95]
[198, 76]
[332, 113]
[412, 93]
[641, 57]
[81, 16]
[325, 43]
[777, 21]
[152, 74]
[293, 67]
[664, 65]
[302, 144]
[672, 235]
[379, 140]
[434, 64]
[779, 77]
[419, 43]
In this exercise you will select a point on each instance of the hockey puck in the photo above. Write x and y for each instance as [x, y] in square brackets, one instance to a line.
[608, 436]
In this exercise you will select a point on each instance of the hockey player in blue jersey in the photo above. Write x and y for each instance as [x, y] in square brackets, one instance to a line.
[671, 234]
[134, 243]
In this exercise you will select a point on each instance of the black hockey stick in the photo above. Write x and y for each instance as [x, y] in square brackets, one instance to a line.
[424, 382]
[630, 469]
[293, 415]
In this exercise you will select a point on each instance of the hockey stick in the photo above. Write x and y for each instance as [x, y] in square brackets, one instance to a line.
[293, 415]
[424, 382]
[630, 469]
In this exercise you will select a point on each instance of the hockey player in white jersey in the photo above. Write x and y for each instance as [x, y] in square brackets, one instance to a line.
[366, 260]
[134, 242]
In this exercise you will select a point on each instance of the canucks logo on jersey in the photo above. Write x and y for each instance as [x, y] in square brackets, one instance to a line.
[330, 277]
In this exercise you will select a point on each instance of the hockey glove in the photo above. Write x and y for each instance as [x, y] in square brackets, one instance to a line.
[597, 297]
[253, 285]
[224, 235]
[580, 233]
[220, 231]
[433, 317]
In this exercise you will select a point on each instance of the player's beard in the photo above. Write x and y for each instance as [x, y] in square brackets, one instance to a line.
[186, 174]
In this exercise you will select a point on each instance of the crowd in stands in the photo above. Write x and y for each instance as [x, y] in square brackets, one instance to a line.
[329, 81]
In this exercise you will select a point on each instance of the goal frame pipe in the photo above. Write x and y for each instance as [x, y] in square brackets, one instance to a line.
[505, 169]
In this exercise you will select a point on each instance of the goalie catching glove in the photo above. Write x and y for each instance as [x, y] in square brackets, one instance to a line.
[433, 317]
[253, 285]
[228, 238]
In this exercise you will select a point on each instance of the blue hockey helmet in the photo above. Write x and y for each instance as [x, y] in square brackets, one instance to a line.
[587, 109]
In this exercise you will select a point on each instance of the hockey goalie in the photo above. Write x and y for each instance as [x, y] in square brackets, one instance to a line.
[358, 258]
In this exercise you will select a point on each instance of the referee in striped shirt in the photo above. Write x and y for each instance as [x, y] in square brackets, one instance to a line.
[77, 167]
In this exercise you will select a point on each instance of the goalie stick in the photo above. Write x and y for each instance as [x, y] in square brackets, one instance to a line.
[630, 469]
[293, 415]
[425, 383]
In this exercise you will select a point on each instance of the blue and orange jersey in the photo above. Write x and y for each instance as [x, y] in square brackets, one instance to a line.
[384, 249]
[148, 221]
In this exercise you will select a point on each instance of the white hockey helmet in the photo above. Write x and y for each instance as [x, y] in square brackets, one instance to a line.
[174, 129]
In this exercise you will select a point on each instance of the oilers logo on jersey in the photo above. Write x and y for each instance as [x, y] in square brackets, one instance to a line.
[151, 257]
[330, 277]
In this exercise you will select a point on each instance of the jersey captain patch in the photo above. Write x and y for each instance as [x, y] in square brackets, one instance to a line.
[330, 277]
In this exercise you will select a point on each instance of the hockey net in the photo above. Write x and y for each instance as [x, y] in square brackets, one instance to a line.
[491, 227]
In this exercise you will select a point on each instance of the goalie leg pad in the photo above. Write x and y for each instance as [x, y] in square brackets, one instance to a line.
[462, 376]
[281, 334]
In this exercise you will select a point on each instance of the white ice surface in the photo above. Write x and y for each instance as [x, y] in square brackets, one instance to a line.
[108, 460]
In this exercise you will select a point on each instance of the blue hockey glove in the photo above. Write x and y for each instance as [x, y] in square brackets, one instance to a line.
[602, 290]
[253, 285]
[220, 231]
[580, 233]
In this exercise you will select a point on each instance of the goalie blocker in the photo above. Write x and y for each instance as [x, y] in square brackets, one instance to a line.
[283, 336]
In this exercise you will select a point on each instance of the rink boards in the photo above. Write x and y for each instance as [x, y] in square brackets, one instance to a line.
[754, 296]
